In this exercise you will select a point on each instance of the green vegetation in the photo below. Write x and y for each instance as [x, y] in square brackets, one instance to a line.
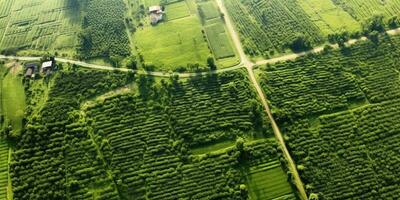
[339, 111]
[364, 9]
[173, 44]
[63, 151]
[269, 26]
[104, 33]
[329, 17]
[3, 169]
[268, 183]
[177, 10]
[12, 99]
[264, 175]
[214, 28]
[39, 26]
[138, 143]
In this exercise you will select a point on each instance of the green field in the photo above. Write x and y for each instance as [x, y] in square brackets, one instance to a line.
[213, 147]
[39, 25]
[219, 40]
[177, 10]
[214, 27]
[172, 44]
[13, 99]
[3, 170]
[268, 181]
[208, 10]
[364, 9]
[328, 17]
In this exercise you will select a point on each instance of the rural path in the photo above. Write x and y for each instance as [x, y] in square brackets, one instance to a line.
[245, 62]
[249, 66]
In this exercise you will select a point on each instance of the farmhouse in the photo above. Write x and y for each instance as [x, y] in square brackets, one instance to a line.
[156, 14]
[47, 66]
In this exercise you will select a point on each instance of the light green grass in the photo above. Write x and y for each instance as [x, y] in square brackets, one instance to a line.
[213, 147]
[172, 44]
[3, 170]
[328, 17]
[177, 10]
[268, 182]
[13, 100]
[208, 10]
[219, 41]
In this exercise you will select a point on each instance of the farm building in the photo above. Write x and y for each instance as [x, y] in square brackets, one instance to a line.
[156, 14]
[47, 66]
[31, 70]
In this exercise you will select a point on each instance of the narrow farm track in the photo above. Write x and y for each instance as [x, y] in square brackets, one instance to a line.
[278, 135]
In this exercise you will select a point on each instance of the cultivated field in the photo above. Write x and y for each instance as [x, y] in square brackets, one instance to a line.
[338, 110]
[143, 142]
[39, 25]
[364, 9]
[329, 17]
[173, 44]
[214, 28]
[12, 96]
[3, 170]
[268, 26]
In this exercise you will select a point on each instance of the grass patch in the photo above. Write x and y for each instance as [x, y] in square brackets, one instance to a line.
[268, 182]
[177, 10]
[208, 10]
[13, 99]
[213, 147]
[219, 41]
[328, 17]
[173, 44]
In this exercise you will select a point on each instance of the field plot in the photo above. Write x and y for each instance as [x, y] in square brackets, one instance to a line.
[177, 10]
[265, 178]
[329, 17]
[345, 135]
[39, 25]
[3, 170]
[12, 97]
[266, 26]
[214, 27]
[104, 33]
[364, 9]
[173, 44]
[56, 153]
[337, 80]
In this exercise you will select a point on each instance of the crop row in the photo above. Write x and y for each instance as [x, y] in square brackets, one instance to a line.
[352, 154]
[38, 25]
[55, 158]
[334, 80]
[3, 169]
[104, 29]
[270, 25]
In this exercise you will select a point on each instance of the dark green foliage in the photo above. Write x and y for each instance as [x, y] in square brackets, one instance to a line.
[394, 22]
[55, 158]
[301, 43]
[271, 25]
[334, 80]
[343, 111]
[104, 33]
[352, 152]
